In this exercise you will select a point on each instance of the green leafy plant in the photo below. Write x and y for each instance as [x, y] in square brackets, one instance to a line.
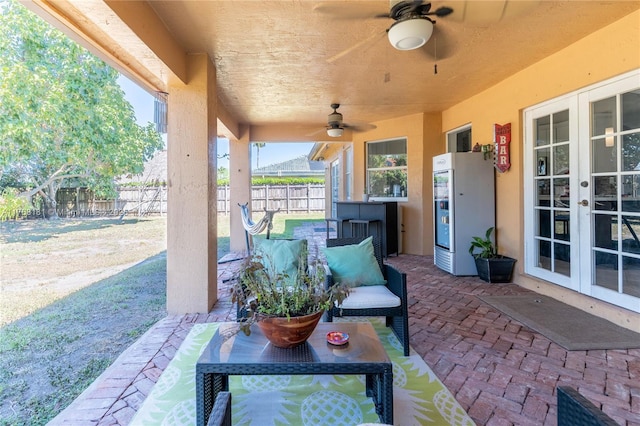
[487, 249]
[263, 292]
[11, 204]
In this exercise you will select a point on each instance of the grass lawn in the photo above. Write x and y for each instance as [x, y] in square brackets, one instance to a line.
[75, 294]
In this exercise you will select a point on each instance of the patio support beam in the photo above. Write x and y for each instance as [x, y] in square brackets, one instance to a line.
[142, 20]
[228, 127]
[192, 184]
[240, 184]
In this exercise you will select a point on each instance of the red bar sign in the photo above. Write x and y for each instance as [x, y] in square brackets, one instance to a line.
[502, 138]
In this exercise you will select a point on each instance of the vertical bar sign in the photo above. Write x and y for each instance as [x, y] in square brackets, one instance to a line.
[502, 139]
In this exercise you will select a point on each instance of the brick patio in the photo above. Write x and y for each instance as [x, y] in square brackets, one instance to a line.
[499, 371]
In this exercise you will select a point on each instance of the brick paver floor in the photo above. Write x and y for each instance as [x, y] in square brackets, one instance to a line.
[501, 372]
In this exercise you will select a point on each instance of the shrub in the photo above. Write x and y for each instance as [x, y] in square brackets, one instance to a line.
[11, 203]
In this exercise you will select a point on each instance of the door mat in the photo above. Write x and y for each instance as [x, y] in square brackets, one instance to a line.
[569, 327]
[419, 398]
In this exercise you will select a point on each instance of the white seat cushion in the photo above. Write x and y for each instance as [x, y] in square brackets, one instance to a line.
[370, 296]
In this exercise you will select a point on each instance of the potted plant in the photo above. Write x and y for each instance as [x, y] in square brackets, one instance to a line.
[491, 266]
[285, 305]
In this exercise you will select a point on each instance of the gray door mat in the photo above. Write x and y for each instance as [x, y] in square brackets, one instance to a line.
[569, 327]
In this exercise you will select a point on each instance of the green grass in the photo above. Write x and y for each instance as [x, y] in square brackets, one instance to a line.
[52, 354]
[224, 241]
[284, 225]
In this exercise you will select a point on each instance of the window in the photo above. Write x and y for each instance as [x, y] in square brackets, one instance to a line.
[459, 140]
[387, 168]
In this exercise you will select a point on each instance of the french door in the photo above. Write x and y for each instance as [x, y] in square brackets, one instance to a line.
[552, 148]
[582, 202]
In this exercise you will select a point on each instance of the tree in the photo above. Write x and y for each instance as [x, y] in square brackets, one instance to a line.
[258, 145]
[63, 116]
[223, 173]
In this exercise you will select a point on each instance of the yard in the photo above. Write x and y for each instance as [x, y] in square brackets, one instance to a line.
[74, 295]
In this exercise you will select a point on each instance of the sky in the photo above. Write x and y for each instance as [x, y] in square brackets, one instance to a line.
[272, 153]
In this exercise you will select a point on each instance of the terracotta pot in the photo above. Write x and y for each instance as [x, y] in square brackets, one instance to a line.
[287, 333]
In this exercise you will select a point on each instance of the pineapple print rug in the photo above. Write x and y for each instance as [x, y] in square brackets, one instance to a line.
[419, 398]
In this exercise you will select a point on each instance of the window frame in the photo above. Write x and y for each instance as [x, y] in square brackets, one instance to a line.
[404, 167]
[452, 137]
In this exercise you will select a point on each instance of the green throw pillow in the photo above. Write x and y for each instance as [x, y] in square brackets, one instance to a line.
[285, 255]
[355, 264]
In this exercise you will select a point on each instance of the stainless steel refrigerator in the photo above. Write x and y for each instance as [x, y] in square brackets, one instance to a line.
[463, 207]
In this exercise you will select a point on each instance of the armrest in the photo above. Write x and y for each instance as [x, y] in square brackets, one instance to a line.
[396, 281]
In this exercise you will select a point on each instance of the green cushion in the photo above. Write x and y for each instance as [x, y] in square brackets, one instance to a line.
[283, 256]
[355, 264]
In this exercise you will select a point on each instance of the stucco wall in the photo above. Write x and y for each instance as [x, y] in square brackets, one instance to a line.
[192, 165]
[424, 140]
[413, 212]
[604, 54]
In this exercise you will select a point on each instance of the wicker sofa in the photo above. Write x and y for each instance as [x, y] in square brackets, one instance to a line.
[575, 409]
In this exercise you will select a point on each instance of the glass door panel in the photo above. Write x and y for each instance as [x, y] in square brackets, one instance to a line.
[615, 173]
[553, 173]
[631, 276]
[441, 198]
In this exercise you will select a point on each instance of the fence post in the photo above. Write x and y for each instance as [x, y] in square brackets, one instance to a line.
[288, 198]
[266, 196]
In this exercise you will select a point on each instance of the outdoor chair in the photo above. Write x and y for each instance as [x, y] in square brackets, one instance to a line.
[388, 300]
[575, 409]
[221, 412]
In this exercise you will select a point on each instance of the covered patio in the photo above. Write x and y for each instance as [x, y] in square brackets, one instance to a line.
[268, 72]
[500, 371]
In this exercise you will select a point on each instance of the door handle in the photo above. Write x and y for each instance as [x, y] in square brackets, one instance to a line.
[583, 203]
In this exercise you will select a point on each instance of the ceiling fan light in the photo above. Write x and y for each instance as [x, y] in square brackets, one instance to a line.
[334, 132]
[410, 34]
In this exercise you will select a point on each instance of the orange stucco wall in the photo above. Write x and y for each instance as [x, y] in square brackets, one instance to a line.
[191, 175]
[424, 140]
[240, 183]
[611, 51]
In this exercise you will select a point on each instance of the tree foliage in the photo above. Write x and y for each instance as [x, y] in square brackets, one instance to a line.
[63, 117]
[278, 180]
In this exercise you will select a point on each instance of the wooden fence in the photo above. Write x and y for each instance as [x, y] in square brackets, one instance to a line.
[140, 201]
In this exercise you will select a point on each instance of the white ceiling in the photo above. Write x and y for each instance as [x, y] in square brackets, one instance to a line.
[287, 61]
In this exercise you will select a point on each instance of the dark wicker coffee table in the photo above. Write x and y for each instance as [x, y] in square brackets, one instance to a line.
[230, 354]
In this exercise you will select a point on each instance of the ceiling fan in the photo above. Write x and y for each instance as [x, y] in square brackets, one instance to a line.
[413, 26]
[335, 125]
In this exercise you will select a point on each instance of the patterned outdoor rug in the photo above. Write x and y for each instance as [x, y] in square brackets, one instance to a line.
[419, 397]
